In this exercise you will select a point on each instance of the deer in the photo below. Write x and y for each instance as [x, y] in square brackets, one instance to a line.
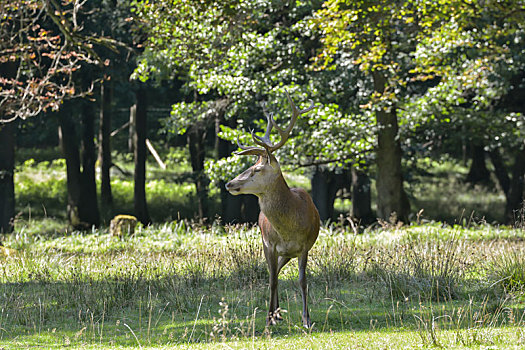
[289, 221]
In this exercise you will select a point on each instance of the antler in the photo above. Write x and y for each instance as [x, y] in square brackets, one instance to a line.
[285, 134]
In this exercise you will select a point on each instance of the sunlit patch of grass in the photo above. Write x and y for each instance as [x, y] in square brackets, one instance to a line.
[41, 192]
[441, 191]
[508, 270]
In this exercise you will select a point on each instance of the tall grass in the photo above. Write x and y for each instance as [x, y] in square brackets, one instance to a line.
[181, 283]
[508, 270]
[430, 270]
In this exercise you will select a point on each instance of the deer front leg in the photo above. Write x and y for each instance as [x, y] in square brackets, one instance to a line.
[304, 289]
[273, 269]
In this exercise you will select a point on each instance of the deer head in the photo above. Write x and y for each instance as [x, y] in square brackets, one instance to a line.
[266, 170]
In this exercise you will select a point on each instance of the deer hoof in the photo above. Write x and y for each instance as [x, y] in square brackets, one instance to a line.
[306, 323]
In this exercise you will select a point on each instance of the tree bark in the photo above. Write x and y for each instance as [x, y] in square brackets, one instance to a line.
[132, 116]
[7, 160]
[249, 208]
[391, 196]
[139, 148]
[82, 205]
[104, 155]
[230, 205]
[478, 172]
[514, 211]
[361, 197]
[7, 184]
[320, 195]
[195, 137]
[70, 150]
[89, 207]
[500, 170]
[325, 184]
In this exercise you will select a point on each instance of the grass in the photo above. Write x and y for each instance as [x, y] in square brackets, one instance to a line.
[181, 285]
[41, 190]
[439, 189]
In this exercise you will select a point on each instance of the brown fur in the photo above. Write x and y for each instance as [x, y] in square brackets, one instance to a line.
[289, 220]
[289, 223]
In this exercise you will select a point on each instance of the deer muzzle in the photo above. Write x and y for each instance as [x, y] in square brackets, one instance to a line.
[233, 187]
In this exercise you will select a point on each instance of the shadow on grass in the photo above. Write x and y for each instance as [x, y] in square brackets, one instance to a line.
[180, 309]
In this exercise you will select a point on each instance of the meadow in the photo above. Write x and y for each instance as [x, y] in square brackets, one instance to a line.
[181, 284]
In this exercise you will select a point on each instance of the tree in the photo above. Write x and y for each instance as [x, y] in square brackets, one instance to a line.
[140, 153]
[380, 38]
[40, 48]
[82, 208]
[477, 58]
[247, 53]
[7, 166]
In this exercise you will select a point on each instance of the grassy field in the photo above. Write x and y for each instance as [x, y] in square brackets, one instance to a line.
[180, 285]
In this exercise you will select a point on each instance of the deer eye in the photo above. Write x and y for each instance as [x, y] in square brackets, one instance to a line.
[256, 170]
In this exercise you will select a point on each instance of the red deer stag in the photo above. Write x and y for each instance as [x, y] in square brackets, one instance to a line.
[288, 220]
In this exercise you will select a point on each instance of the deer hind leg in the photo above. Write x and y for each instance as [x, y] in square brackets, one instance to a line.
[281, 262]
[303, 259]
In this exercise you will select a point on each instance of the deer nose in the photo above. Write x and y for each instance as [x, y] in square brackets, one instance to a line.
[228, 185]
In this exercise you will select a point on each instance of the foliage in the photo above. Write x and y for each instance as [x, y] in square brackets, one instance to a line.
[41, 46]
[477, 61]
[252, 52]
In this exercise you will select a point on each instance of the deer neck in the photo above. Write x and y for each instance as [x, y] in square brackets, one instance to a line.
[275, 202]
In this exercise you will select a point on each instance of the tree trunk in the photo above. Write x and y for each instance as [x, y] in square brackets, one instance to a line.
[500, 170]
[391, 196]
[7, 160]
[230, 205]
[514, 210]
[70, 150]
[195, 136]
[104, 155]
[478, 172]
[139, 147]
[250, 208]
[82, 206]
[7, 184]
[321, 184]
[89, 207]
[325, 184]
[361, 198]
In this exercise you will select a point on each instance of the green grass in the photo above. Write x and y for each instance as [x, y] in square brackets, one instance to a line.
[439, 189]
[41, 190]
[183, 285]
